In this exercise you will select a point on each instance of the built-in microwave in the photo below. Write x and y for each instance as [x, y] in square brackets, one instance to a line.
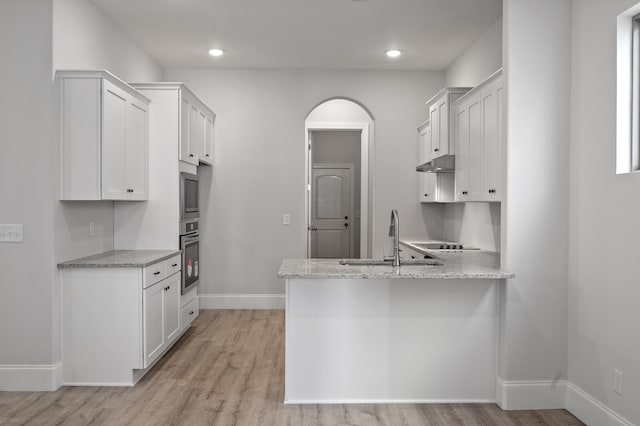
[189, 203]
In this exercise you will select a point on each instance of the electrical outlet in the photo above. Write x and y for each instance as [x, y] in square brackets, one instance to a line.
[617, 381]
[92, 229]
[11, 233]
[286, 219]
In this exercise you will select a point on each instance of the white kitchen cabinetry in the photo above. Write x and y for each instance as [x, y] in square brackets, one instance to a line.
[196, 128]
[428, 181]
[479, 141]
[104, 138]
[161, 306]
[433, 187]
[441, 119]
[117, 321]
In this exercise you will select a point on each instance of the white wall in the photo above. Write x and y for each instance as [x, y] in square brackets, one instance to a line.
[479, 61]
[604, 267]
[85, 38]
[26, 183]
[536, 211]
[259, 167]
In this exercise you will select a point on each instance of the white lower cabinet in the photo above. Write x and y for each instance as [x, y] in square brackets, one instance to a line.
[161, 323]
[189, 313]
[118, 321]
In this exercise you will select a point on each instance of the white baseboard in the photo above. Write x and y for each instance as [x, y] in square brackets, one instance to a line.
[30, 377]
[590, 410]
[531, 395]
[387, 401]
[241, 301]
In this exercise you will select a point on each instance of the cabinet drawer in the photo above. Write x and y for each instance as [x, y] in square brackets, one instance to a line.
[154, 273]
[190, 312]
[161, 270]
[173, 264]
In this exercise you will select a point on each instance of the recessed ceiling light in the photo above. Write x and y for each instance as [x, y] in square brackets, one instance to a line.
[215, 52]
[393, 53]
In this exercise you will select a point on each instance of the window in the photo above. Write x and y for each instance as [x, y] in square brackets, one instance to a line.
[628, 92]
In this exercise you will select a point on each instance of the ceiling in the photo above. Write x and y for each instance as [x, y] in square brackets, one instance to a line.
[317, 34]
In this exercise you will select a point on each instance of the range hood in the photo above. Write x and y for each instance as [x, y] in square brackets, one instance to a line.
[443, 164]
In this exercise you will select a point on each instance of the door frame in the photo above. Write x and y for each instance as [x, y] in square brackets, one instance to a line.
[351, 168]
[366, 151]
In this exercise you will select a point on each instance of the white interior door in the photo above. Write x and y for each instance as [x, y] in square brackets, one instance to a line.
[331, 204]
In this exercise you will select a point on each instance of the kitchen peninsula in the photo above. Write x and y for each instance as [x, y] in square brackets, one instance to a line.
[420, 333]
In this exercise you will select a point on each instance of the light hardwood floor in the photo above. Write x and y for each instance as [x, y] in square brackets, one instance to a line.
[229, 370]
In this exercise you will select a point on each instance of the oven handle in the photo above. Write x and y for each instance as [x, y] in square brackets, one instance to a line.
[189, 240]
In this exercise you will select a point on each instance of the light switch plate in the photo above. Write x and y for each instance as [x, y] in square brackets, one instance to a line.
[11, 233]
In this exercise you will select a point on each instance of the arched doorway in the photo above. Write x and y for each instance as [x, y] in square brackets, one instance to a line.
[338, 163]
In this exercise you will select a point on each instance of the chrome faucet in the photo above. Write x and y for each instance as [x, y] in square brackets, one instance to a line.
[394, 232]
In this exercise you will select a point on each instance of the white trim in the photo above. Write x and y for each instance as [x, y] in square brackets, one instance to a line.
[366, 160]
[590, 410]
[242, 301]
[389, 401]
[30, 377]
[531, 395]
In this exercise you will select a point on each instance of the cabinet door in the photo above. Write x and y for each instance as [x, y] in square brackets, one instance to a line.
[428, 181]
[474, 164]
[443, 125]
[154, 322]
[461, 112]
[193, 135]
[185, 108]
[171, 307]
[114, 136]
[208, 152]
[137, 150]
[492, 142]
[202, 136]
[434, 120]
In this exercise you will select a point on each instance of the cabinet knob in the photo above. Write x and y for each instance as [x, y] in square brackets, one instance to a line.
[464, 192]
[346, 225]
[207, 155]
[436, 150]
[156, 273]
[426, 195]
[192, 312]
[191, 155]
[174, 265]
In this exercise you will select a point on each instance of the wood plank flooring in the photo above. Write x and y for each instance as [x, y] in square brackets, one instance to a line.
[229, 370]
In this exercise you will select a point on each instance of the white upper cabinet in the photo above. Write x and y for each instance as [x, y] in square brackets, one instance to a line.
[104, 137]
[479, 142]
[440, 117]
[434, 187]
[427, 187]
[196, 129]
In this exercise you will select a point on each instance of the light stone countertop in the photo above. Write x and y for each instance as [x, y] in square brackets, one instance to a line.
[476, 264]
[120, 259]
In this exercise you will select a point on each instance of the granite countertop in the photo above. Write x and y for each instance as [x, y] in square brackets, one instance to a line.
[120, 259]
[472, 264]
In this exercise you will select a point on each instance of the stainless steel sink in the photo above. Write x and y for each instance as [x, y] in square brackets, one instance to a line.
[381, 262]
